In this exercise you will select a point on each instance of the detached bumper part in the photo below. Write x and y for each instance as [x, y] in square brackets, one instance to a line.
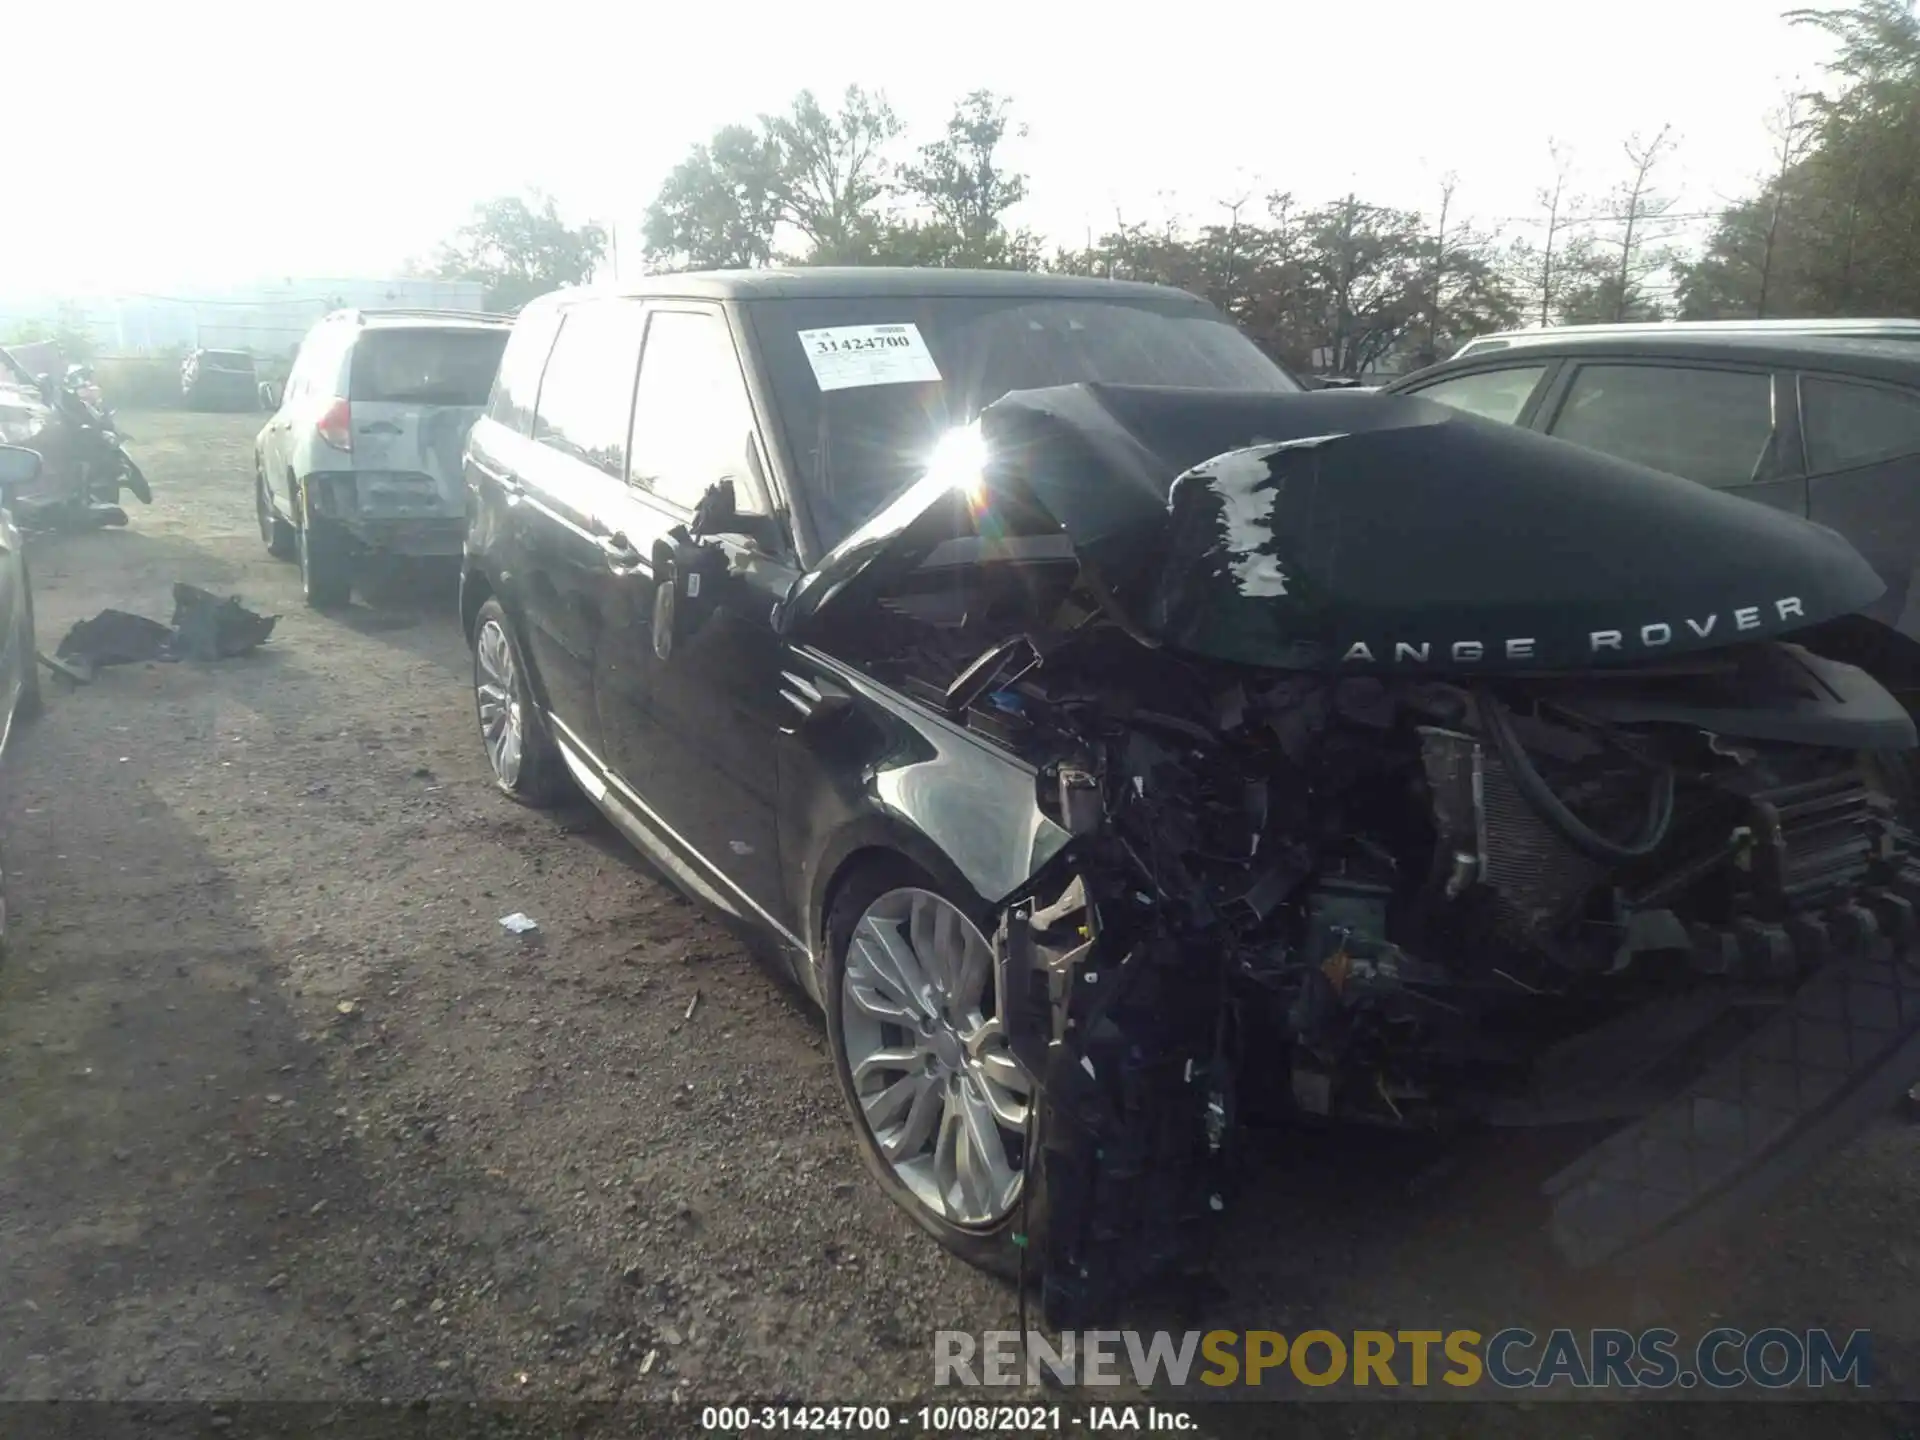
[1842, 1049]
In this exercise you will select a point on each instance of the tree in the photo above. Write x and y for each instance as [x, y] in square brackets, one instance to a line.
[964, 185]
[719, 207]
[67, 333]
[832, 172]
[519, 248]
[1835, 227]
[818, 174]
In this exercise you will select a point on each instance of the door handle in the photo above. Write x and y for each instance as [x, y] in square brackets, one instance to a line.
[621, 556]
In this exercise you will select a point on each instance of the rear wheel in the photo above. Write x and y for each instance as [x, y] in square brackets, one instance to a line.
[525, 760]
[940, 1105]
[326, 560]
[278, 535]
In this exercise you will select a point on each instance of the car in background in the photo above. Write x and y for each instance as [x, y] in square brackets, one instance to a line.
[1884, 329]
[1827, 427]
[362, 453]
[218, 380]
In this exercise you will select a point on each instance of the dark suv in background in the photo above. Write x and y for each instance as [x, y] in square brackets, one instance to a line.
[217, 380]
[1824, 427]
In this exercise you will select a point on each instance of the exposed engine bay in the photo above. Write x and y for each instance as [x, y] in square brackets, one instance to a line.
[1417, 901]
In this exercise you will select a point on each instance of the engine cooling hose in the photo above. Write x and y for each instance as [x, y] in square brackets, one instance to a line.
[1554, 811]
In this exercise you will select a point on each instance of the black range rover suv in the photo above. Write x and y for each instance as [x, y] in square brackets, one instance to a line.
[1119, 742]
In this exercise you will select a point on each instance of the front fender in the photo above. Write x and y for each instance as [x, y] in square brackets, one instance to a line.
[889, 775]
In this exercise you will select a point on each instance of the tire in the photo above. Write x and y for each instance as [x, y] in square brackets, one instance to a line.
[991, 1237]
[326, 562]
[30, 702]
[281, 541]
[504, 706]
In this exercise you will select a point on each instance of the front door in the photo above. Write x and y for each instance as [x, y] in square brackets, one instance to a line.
[693, 734]
[578, 454]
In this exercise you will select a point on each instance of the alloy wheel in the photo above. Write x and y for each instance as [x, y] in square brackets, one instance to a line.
[497, 692]
[938, 1088]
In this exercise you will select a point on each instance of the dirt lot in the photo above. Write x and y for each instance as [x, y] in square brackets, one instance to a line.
[285, 1113]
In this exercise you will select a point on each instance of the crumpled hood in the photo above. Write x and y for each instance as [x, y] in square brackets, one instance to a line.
[1330, 530]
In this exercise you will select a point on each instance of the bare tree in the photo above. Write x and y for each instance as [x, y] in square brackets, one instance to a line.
[1550, 202]
[1636, 207]
[1792, 137]
[1447, 185]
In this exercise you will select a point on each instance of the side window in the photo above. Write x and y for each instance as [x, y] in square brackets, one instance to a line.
[586, 394]
[692, 421]
[1491, 394]
[1849, 424]
[1711, 426]
[517, 384]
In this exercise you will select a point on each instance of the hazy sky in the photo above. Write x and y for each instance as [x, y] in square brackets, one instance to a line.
[214, 142]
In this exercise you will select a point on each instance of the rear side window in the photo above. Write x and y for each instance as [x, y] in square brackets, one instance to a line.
[1849, 424]
[586, 395]
[517, 383]
[1711, 426]
[1491, 394]
[426, 367]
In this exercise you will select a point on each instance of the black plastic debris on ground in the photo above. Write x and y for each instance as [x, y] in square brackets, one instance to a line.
[205, 627]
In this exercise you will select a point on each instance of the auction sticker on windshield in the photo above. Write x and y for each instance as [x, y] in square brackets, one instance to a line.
[846, 357]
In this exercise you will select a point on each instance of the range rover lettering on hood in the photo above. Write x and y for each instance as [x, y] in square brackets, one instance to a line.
[1339, 532]
[1655, 635]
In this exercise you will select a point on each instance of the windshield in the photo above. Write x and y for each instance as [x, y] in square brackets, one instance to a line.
[426, 367]
[864, 439]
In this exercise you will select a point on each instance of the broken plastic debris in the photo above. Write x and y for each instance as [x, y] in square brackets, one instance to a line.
[518, 923]
[1087, 1065]
[204, 627]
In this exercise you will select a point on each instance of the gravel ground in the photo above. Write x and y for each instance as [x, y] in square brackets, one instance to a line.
[284, 1113]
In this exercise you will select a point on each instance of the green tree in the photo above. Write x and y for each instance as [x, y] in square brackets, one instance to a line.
[961, 180]
[817, 174]
[519, 247]
[833, 172]
[1835, 229]
[68, 332]
[719, 207]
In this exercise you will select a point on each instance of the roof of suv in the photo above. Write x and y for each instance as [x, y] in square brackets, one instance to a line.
[1895, 360]
[853, 281]
[422, 319]
[1857, 328]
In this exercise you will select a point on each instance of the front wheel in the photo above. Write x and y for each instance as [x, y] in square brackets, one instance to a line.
[277, 534]
[939, 1103]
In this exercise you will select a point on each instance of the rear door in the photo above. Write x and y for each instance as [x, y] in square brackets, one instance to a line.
[1730, 427]
[577, 457]
[415, 393]
[1862, 445]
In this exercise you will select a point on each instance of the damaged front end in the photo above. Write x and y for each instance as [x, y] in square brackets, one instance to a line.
[1418, 774]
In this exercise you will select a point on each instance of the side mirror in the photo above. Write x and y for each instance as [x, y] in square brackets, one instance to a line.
[687, 576]
[716, 514]
[269, 396]
[19, 467]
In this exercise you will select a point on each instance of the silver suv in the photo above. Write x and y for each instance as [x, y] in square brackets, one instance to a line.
[363, 451]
